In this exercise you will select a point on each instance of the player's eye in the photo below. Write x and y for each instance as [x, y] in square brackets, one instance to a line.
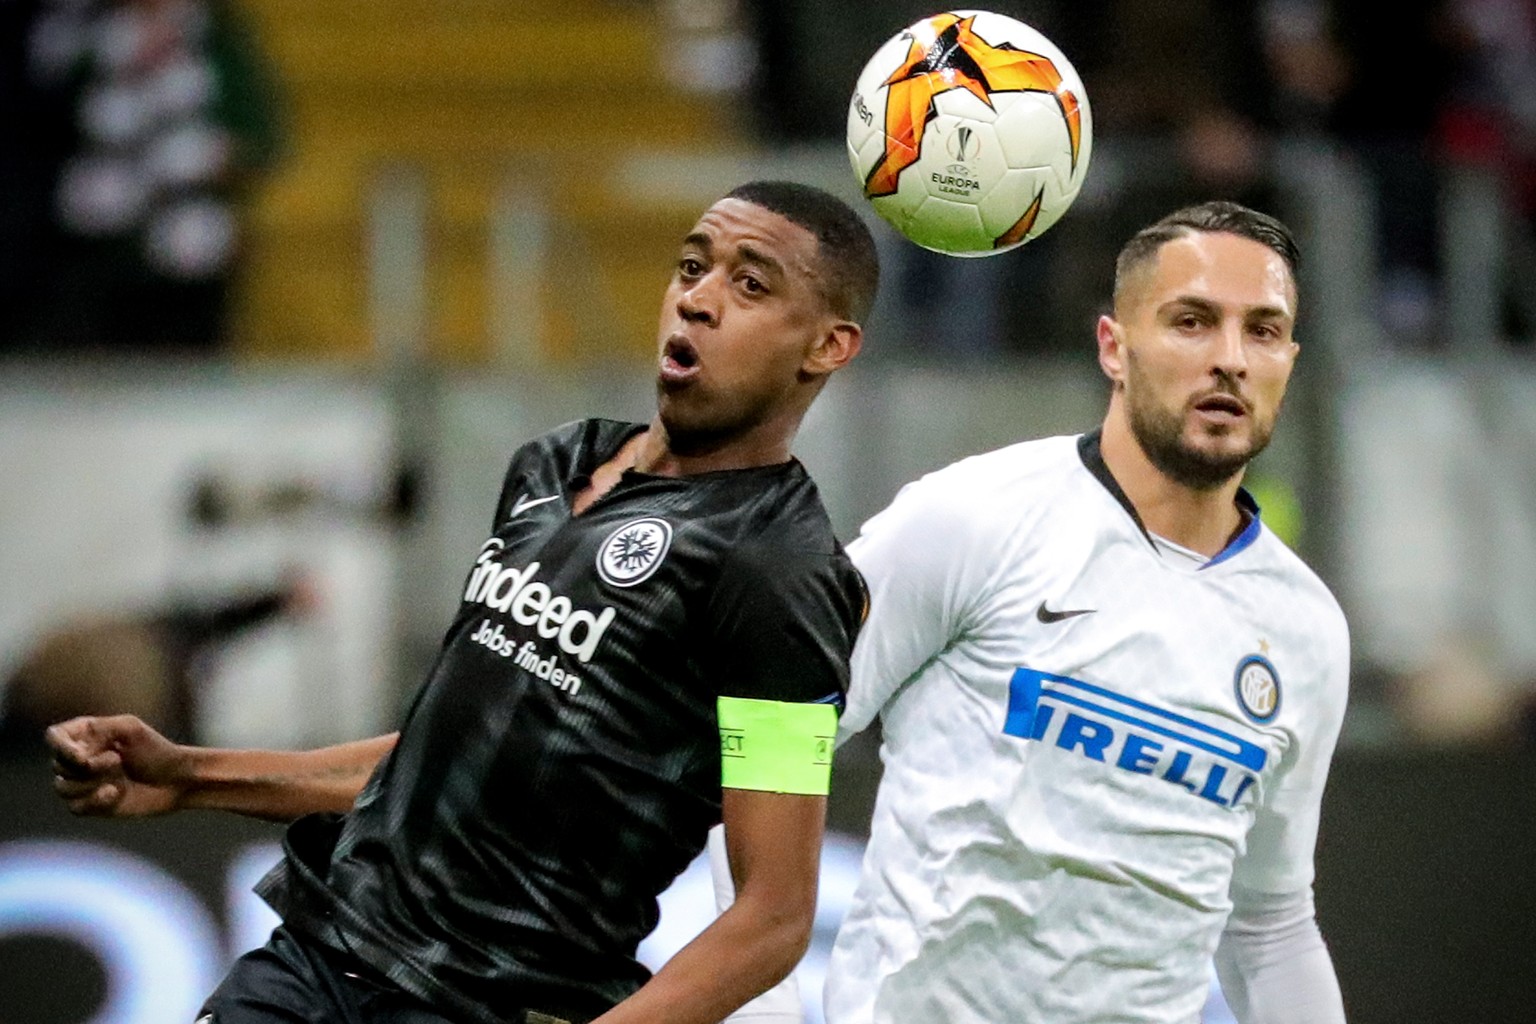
[753, 285]
[690, 266]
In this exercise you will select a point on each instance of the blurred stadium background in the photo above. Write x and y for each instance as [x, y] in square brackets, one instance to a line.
[283, 282]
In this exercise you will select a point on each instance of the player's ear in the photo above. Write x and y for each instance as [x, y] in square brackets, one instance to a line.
[834, 349]
[1111, 350]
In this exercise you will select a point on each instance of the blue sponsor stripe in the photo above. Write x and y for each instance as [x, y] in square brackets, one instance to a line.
[1023, 701]
[1251, 757]
[1027, 687]
[1150, 709]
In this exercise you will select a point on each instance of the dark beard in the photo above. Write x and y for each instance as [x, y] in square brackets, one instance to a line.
[1161, 435]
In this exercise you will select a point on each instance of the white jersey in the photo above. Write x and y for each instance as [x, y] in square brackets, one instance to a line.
[1089, 743]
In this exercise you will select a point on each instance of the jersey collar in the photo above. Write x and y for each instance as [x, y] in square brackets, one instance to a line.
[1090, 451]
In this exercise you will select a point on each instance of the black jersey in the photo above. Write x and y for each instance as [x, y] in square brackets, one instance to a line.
[561, 763]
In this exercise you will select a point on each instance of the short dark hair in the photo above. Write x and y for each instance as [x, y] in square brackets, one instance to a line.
[847, 249]
[1217, 216]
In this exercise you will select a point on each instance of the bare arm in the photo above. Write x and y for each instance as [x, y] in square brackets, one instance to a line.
[774, 844]
[119, 767]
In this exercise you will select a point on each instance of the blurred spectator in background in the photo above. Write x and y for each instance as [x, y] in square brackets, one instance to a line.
[1489, 122]
[34, 138]
[1460, 700]
[140, 126]
[1185, 83]
[150, 664]
[1377, 82]
[1306, 66]
[1185, 104]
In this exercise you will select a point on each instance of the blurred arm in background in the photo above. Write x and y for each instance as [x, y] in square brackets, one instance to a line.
[151, 662]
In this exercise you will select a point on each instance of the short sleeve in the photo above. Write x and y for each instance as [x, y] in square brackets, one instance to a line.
[544, 465]
[523, 461]
[504, 497]
[781, 624]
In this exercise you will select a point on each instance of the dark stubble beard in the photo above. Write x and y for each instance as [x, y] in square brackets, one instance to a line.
[1160, 432]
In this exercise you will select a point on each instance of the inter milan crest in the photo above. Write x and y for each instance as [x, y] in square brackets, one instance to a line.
[633, 551]
[1258, 688]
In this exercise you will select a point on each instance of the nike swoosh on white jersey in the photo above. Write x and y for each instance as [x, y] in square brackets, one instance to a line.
[523, 504]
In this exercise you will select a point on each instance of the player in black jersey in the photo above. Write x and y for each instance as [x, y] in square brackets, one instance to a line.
[654, 638]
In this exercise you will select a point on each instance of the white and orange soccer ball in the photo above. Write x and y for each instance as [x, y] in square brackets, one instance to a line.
[970, 132]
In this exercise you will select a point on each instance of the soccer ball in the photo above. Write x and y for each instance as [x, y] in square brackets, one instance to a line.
[970, 132]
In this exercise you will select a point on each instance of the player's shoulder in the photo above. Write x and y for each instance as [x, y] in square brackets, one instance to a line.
[592, 433]
[571, 444]
[783, 514]
[1001, 483]
[1308, 624]
[1311, 599]
[784, 538]
[1022, 460]
[977, 511]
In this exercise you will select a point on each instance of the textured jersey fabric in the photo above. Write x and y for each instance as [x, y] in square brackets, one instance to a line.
[561, 763]
[1273, 964]
[1087, 746]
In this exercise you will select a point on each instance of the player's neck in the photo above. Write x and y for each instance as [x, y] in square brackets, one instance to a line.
[767, 444]
[1200, 520]
[651, 452]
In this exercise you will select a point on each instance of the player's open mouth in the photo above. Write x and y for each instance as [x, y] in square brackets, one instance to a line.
[679, 360]
[1222, 406]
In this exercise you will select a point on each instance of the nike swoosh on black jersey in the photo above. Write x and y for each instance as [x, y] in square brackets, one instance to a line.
[524, 503]
[1045, 615]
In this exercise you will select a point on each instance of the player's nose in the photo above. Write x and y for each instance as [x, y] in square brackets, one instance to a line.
[1230, 352]
[700, 301]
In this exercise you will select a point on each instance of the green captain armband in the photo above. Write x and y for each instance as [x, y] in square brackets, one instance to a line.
[776, 746]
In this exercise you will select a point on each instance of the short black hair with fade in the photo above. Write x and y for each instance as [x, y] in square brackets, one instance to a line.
[847, 248]
[1216, 217]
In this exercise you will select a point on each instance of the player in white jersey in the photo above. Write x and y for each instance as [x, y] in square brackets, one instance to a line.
[1109, 694]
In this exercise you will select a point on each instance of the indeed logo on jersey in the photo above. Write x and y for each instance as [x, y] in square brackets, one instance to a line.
[515, 592]
[1129, 734]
